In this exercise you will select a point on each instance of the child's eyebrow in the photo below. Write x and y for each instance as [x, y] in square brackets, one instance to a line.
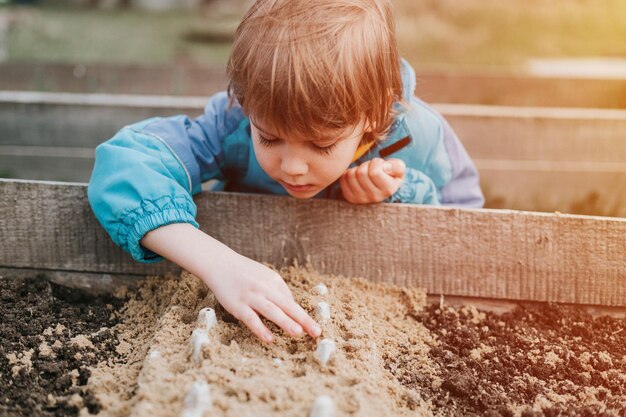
[327, 139]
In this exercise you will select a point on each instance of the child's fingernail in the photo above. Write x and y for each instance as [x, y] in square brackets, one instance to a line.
[296, 330]
[317, 330]
[387, 167]
[268, 337]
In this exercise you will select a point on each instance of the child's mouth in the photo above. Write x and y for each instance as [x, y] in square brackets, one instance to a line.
[297, 188]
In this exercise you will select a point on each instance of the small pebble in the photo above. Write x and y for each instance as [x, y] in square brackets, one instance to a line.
[323, 406]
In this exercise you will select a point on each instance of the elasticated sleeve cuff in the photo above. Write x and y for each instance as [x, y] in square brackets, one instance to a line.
[417, 188]
[149, 216]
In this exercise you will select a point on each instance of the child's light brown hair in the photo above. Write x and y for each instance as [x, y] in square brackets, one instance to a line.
[309, 67]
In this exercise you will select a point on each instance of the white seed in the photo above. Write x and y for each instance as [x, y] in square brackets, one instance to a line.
[323, 406]
[206, 318]
[197, 400]
[154, 354]
[324, 351]
[199, 338]
[320, 289]
[278, 361]
[323, 311]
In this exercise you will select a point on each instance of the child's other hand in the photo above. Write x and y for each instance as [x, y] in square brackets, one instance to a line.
[247, 288]
[372, 181]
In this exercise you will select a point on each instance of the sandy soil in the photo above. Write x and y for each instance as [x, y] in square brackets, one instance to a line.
[248, 377]
[130, 355]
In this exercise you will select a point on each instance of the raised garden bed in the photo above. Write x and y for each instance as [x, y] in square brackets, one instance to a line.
[395, 355]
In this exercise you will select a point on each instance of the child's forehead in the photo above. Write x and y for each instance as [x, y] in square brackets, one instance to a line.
[327, 135]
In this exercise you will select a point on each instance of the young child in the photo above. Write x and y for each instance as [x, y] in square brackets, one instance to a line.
[319, 105]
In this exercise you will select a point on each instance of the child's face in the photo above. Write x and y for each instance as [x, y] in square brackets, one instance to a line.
[305, 166]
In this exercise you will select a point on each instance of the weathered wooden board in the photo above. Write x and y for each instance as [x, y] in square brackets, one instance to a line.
[588, 191]
[493, 88]
[112, 78]
[543, 134]
[61, 119]
[80, 120]
[475, 253]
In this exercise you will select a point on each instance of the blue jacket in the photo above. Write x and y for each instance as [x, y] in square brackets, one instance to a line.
[145, 175]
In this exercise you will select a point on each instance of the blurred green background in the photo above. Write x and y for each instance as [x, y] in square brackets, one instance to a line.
[433, 34]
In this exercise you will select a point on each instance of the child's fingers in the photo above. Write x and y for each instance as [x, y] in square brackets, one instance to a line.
[252, 321]
[395, 167]
[297, 313]
[367, 188]
[383, 181]
[347, 183]
[270, 311]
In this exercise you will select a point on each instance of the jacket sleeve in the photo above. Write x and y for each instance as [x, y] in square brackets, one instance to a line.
[144, 176]
[417, 188]
[439, 170]
[463, 189]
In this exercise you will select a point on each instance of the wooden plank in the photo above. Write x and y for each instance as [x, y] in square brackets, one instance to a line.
[112, 78]
[592, 191]
[92, 283]
[493, 132]
[518, 89]
[476, 253]
[54, 167]
[488, 132]
[491, 88]
[499, 306]
[80, 120]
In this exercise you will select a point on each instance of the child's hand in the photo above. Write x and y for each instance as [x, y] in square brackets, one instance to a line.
[372, 181]
[247, 288]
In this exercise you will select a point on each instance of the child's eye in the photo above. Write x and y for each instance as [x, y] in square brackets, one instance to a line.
[324, 150]
[267, 142]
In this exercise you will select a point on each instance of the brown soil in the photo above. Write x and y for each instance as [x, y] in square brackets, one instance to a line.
[545, 360]
[44, 366]
[395, 356]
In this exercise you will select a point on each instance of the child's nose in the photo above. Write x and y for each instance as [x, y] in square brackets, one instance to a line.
[294, 166]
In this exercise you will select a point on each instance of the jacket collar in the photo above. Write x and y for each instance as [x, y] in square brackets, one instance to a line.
[408, 80]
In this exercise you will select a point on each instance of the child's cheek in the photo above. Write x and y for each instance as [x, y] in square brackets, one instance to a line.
[265, 158]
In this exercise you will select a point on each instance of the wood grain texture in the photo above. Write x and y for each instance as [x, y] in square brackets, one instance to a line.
[93, 283]
[488, 132]
[475, 253]
[589, 192]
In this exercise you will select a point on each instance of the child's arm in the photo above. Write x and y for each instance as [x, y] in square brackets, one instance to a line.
[242, 286]
[142, 184]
